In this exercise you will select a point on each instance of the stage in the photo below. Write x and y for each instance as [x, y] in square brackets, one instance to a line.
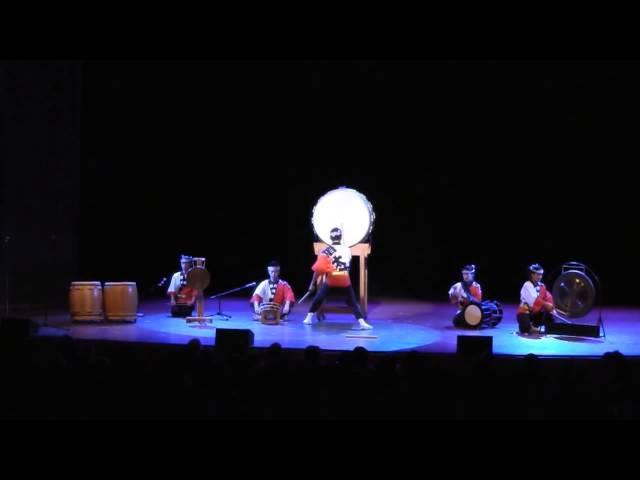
[399, 325]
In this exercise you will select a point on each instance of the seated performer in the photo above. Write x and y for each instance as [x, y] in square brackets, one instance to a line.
[465, 292]
[536, 303]
[273, 290]
[182, 297]
[334, 262]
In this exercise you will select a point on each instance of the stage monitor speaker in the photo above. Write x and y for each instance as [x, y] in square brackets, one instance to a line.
[234, 338]
[475, 345]
[573, 330]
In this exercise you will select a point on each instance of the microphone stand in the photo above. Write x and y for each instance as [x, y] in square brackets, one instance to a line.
[156, 286]
[6, 274]
[47, 296]
[220, 295]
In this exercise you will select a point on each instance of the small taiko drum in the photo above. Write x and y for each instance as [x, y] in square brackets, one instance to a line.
[121, 301]
[85, 302]
[270, 313]
[483, 314]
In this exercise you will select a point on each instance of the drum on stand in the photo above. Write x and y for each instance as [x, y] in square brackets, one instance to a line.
[198, 279]
[199, 262]
[121, 301]
[85, 302]
[351, 212]
[485, 314]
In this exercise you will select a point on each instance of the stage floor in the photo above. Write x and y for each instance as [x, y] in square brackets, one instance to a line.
[399, 325]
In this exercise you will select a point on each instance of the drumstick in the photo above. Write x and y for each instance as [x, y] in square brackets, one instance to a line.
[304, 297]
[557, 316]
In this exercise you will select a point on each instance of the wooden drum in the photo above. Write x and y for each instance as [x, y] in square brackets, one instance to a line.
[85, 302]
[121, 301]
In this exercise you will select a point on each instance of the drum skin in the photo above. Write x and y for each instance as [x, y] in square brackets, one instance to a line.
[347, 209]
[487, 313]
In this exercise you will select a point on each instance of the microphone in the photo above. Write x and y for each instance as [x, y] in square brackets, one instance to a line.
[252, 284]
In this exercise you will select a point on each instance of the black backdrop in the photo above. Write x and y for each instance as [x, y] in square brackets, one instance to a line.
[112, 169]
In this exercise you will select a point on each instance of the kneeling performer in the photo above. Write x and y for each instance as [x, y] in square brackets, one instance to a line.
[536, 303]
[182, 296]
[465, 292]
[273, 290]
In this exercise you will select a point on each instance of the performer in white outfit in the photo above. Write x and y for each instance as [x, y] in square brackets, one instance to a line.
[536, 303]
[465, 292]
[273, 290]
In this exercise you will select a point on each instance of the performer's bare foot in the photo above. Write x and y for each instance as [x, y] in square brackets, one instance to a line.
[364, 325]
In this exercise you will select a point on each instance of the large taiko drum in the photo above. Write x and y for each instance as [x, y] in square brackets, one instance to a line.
[121, 301]
[347, 209]
[85, 302]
